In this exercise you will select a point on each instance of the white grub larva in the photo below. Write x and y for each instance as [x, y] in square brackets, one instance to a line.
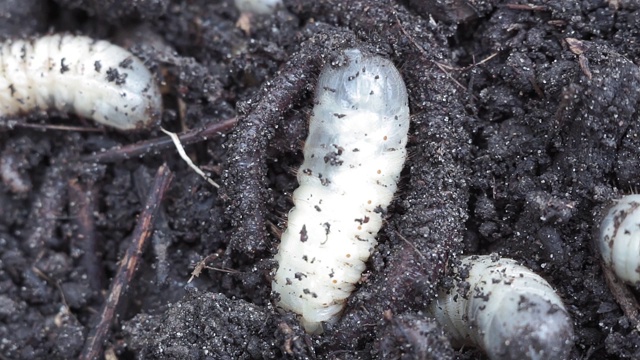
[76, 74]
[260, 7]
[352, 161]
[619, 240]
[507, 310]
[248, 8]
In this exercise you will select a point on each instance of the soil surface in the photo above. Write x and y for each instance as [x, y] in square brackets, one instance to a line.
[525, 126]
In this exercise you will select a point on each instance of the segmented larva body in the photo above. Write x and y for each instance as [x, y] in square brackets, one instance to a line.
[619, 239]
[352, 161]
[509, 311]
[76, 74]
[261, 7]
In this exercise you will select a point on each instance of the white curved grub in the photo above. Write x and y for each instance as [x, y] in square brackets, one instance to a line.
[352, 161]
[505, 309]
[76, 74]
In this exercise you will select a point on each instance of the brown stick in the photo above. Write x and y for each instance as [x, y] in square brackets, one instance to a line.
[526, 7]
[623, 296]
[146, 147]
[19, 123]
[82, 207]
[93, 348]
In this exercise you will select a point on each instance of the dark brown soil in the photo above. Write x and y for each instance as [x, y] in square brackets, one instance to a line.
[519, 138]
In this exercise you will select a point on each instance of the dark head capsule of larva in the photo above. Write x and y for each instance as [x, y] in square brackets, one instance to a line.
[619, 238]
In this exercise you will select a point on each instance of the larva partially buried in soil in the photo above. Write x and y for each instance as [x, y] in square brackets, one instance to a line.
[80, 75]
[507, 310]
[352, 161]
[261, 7]
[619, 240]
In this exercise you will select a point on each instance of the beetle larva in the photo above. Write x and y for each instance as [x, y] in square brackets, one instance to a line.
[261, 7]
[352, 161]
[619, 239]
[76, 74]
[507, 310]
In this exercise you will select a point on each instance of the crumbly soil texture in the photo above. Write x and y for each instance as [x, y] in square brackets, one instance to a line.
[525, 125]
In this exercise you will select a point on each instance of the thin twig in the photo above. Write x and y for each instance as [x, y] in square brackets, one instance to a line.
[187, 159]
[450, 76]
[412, 245]
[421, 50]
[82, 209]
[149, 146]
[11, 124]
[162, 234]
[224, 270]
[39, 273]
[623, 296]
[93, 348]
[201, 265]
[526, 7]
[455, 68]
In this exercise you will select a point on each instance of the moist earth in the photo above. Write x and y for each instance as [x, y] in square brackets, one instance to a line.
[524, 127]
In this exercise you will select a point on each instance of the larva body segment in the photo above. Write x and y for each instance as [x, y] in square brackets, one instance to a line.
[508, 310]
[352, 161]
[261, 7]
[619, 239]
[76, 74]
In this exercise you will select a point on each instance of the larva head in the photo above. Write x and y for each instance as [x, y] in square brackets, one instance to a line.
[619, 238]
[365, 82]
